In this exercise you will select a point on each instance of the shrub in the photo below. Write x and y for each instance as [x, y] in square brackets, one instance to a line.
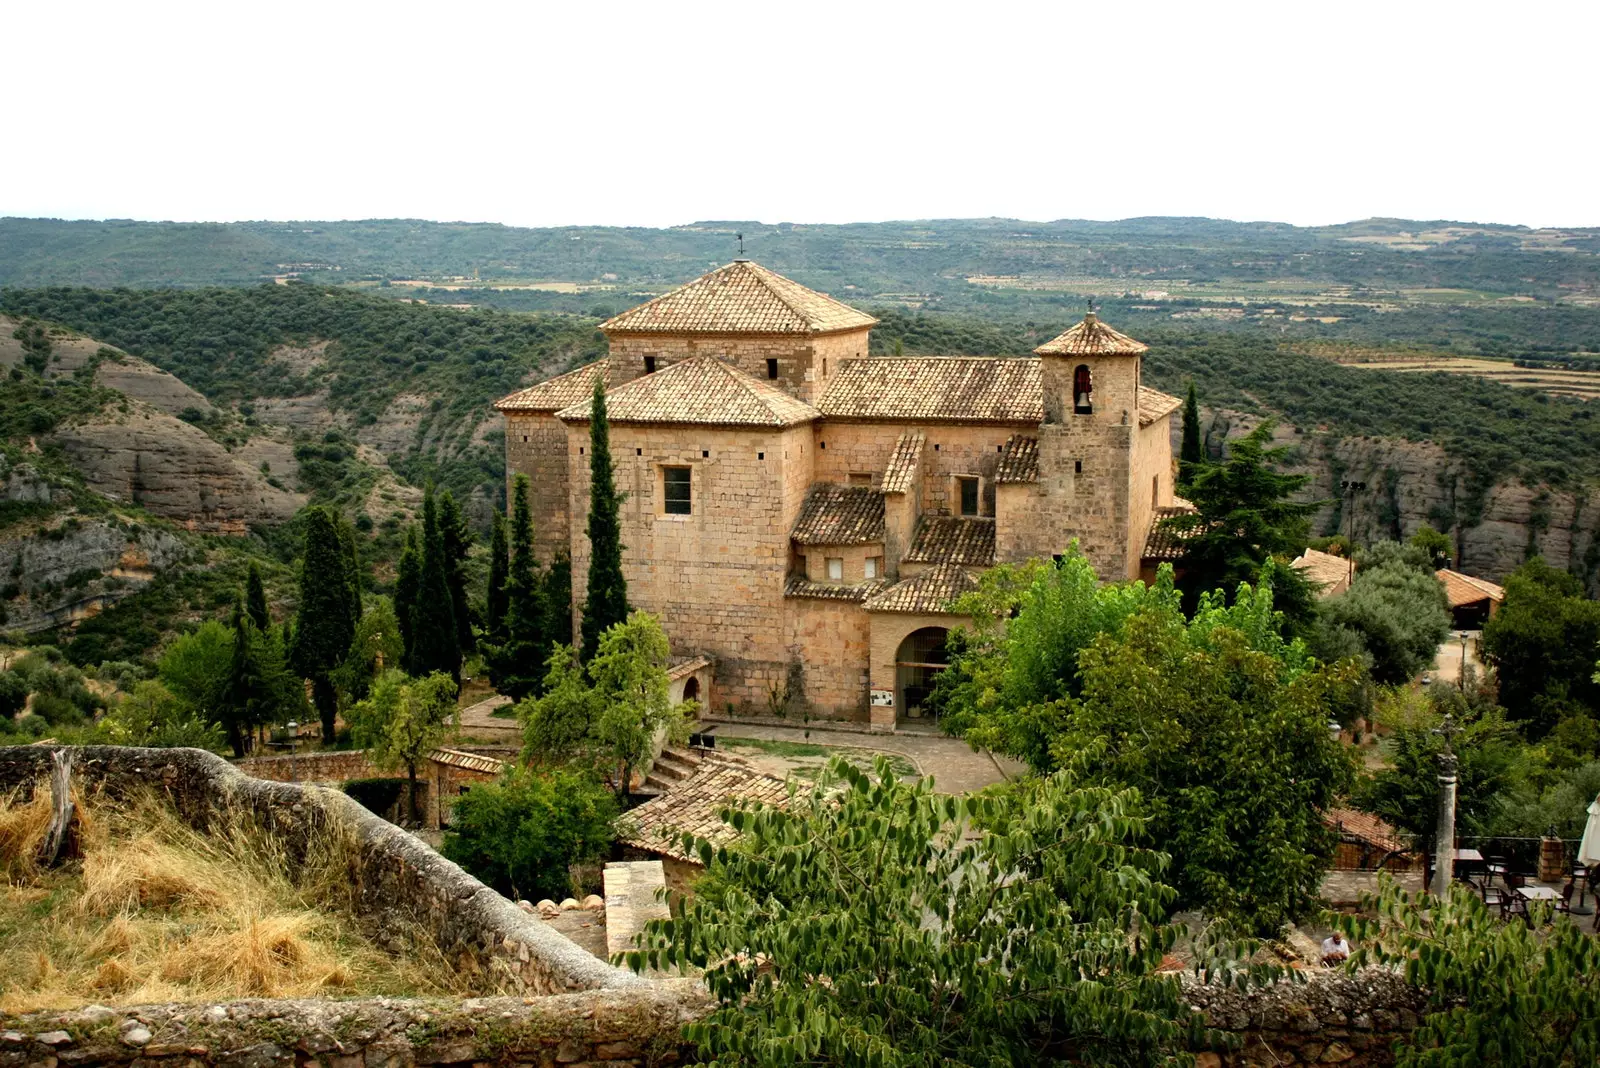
[520, 835]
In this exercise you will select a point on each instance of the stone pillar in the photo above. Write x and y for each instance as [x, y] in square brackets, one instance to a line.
[1444, 841]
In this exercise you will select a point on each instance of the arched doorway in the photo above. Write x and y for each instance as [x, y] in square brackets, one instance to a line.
[691, 689]
[920, 658]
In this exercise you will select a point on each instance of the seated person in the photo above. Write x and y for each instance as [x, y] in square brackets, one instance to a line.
[1335, 950]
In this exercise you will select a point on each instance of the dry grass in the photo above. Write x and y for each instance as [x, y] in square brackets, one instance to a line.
[154, 911]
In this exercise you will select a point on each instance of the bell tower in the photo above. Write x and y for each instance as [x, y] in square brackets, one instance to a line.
[1090, 379]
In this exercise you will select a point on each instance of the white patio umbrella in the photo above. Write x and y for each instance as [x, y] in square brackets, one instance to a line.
[1589, 848]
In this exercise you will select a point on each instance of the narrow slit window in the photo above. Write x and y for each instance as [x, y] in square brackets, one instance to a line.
[675, 490]
[1155, 490]
[1077, 467]
[772, 368]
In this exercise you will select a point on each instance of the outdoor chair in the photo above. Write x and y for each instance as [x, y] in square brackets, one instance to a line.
[1499, 902]
[1564, 902]
[1581, 879]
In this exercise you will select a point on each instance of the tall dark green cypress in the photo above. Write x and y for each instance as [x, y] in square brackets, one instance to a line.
[255, 599]
[606, 603]
[557, 603]
[246, 692]
[324, 625]
[433, 625]
[1190, 454]
[519, 665]
[494, 607]
[408, 577]
[456, 536]
[352, 565]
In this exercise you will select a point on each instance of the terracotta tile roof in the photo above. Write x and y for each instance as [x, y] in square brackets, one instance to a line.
[840, 515]
[902, 470]
[1365, 827]
[1331, 573]
[1163, 542]
[1092, 338]
[686, 665]
[928, 592]
[943, 539]
[1020, 460]
[1462, 589]
[963, 389]
[694, 806]
[740, 298]
[554, 394]
[1154, 404]
[455, 758]
[700, 391]
[802, 587]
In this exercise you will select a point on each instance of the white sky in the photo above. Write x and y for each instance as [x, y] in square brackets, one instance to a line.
[655, 114]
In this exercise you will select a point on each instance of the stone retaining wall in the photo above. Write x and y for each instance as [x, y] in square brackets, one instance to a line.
[396, 877]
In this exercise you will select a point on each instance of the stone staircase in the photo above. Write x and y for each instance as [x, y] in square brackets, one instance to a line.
[673, 766]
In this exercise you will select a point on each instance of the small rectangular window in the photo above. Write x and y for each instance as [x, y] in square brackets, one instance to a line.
[675, 490]
[772, 368]
[649, 365]
[705, 454]
[969, 496]
[835, 569]
[761, 456]
[1077, 467]
[874, 567]
[638, 452]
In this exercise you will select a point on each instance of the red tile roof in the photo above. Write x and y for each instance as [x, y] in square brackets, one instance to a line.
[554, 394]
[1019, 462]
[957, 389]
[930, 591]
[700, 391]
[740, 298]
[943, 539]
[1462, 589]
[1092, 338]
[901, 472]
[1366, 827]
[694, 806]
[840, 515]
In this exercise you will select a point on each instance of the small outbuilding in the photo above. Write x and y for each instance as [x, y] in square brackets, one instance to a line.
[1473, 601]
[1330, 574]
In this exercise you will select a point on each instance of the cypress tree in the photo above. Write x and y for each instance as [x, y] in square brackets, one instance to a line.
[607, 600]
[246, 688]
[352, 566]
[557, 603]
[519, 663]
[457, 540]
[495, 601]
[408, 577]
[324, 625]
[1190, 454]
[433, 625]
[255, 599]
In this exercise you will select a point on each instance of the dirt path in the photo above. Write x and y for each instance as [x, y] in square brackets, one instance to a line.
[478, 721]
[955, 767]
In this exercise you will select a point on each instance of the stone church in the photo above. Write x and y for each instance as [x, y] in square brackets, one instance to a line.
[803, 514]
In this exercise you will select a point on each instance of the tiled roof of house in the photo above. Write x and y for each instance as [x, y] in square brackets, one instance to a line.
[802, 587]
[1019, 462]
[1154, 404]
[1365, 827]
[1092, 338]
[1462, 589]
[1331, 573]
[1164, 542]
[928, 592]
[554, 394]
[840, 515]
[456, 758]
[694, 805]
[944, 539]
[699, 391]
[680, 666]
[740, 298]
[963, 389]
[902, 470]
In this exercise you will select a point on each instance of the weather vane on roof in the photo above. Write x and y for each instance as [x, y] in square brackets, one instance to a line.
[741, 245]
[1090, 302]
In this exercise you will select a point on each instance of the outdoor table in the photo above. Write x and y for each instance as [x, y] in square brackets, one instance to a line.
[1537, 893]
[1468, 863]
[1469, 854]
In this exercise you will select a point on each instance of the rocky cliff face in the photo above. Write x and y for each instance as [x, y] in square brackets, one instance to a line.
[72, 567]
[1496, 527]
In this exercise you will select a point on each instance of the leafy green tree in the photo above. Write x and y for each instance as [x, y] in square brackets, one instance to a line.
[151, 716]
[407, 581]
[403, 720]
[606, 603]
[456, 538]
[495, 598]
[375, 649]
[1190, 453]
[620, 700]
[195, 668]
[433, 626]
[36, 345]
[1396, 614]
[1246, 515]
[1542, 644]
[255, 595]
[1440, 549]
[325, 623]
[522, 834]
[518, 662]
[858, 928]
[1500, 994]
[13, 694]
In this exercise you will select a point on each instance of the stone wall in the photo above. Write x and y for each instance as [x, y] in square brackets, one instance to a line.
[593, 1028]
[832, 641]
[340, 766]
[396, 877]
[715, 577]
[805, 363]
[536, 446]
[865, 447]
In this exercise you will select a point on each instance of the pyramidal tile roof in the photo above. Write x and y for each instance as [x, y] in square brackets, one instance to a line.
[740, 298]
[554, 394]
[700, 391]
[1092, 338]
